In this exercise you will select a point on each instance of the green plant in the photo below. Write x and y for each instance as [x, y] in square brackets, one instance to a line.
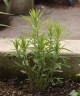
[78, 73]
[6, 2]
[7, 14]
[39, 54]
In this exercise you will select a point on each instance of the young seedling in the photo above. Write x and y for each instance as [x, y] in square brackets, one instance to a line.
[39, 54]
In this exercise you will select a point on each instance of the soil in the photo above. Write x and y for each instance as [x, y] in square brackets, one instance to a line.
[22, 88]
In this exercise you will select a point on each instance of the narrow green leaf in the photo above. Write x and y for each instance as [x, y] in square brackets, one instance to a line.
[57, 66]
[78, 92]
[66, 49]
[6, 2]
[78, 74]
[41, 14]
[58, 71]
[23, 71]
[44, 22]
[65, 36]
[46, 69]
[4, 25]
[21, 65]
[28, 19]
[44, 75]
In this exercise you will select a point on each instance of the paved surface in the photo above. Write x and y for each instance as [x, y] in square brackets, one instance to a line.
[69, 17]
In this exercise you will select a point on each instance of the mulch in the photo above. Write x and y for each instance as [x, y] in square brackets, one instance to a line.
[22, 88]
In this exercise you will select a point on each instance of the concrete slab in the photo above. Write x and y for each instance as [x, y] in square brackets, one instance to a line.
[73, 45]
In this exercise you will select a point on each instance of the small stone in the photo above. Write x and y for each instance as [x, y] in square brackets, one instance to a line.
[13, 92]
[42, 7]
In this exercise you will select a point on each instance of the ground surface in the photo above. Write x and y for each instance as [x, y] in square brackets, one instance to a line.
[69, 16]
[19, 88]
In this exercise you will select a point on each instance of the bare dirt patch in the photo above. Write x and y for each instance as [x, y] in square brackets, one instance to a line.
[22, 88]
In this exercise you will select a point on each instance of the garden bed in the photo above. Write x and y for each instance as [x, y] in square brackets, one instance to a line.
[22, 88]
